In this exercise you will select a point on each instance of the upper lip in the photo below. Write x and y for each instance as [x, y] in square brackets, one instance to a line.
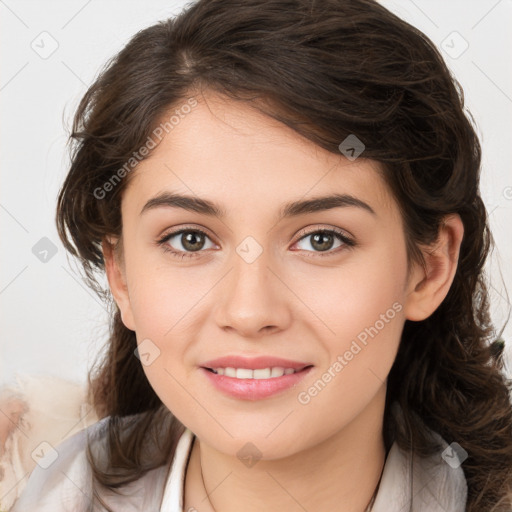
[253, 363]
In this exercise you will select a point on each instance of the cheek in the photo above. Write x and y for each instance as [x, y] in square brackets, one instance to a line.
[361, 308]
[165, 313]
[367, 321]
[366, 289]
[162, 294]
[166, 304]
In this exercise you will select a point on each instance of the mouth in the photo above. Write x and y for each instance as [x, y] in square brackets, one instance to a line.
[254, 383]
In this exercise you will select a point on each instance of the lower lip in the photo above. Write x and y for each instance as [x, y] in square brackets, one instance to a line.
[254, 389]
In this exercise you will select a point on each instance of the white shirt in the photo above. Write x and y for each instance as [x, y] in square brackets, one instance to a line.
[408, 483]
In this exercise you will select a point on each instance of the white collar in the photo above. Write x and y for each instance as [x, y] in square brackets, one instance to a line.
[408, 483]
[172, 500]
[411, 483]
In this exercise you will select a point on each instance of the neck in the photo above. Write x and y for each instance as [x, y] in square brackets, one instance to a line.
[340, 473]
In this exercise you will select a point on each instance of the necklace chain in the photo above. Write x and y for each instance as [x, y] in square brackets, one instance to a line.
[367, 509]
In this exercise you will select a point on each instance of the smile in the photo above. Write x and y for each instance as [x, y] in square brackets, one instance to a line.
[248, 384]
[247, 373]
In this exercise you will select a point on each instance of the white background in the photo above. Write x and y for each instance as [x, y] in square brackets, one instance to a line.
[50, 322]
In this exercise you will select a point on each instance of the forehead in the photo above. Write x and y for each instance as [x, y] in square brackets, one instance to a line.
[227, 150]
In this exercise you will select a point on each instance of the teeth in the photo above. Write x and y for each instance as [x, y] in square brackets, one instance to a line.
[261, 373]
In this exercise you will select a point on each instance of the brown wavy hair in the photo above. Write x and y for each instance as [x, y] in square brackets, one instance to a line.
[326, 69]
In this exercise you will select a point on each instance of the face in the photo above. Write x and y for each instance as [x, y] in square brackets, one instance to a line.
[323, 288]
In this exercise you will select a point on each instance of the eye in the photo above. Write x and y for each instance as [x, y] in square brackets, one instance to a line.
[322, 241]
[188, 241]
[192, 240]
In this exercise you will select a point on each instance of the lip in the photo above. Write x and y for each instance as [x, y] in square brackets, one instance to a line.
[253, 363]
[254, 389]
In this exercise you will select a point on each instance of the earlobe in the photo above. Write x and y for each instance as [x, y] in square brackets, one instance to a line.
[427, 289]
[117, 281]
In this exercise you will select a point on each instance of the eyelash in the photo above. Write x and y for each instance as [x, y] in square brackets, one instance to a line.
[348, 243]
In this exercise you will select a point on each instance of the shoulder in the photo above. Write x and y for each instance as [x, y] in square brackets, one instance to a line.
[61, 479]
[37, 410]
[434, 483]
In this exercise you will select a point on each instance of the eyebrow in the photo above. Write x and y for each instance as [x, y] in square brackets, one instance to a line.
[291, 209]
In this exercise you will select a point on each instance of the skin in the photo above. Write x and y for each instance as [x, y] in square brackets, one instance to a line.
[294, 301]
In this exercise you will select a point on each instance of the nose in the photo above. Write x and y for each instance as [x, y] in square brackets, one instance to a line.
[253, 301]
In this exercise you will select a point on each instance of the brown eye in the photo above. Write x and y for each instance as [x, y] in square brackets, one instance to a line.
[185, 241]
[192, 240]
[324, 241]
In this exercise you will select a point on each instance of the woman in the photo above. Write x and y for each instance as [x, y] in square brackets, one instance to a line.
[284, 196]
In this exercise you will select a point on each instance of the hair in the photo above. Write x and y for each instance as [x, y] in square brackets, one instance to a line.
[327, 70]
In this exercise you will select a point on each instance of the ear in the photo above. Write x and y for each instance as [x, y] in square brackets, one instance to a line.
[116, 275]
[427, 290]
